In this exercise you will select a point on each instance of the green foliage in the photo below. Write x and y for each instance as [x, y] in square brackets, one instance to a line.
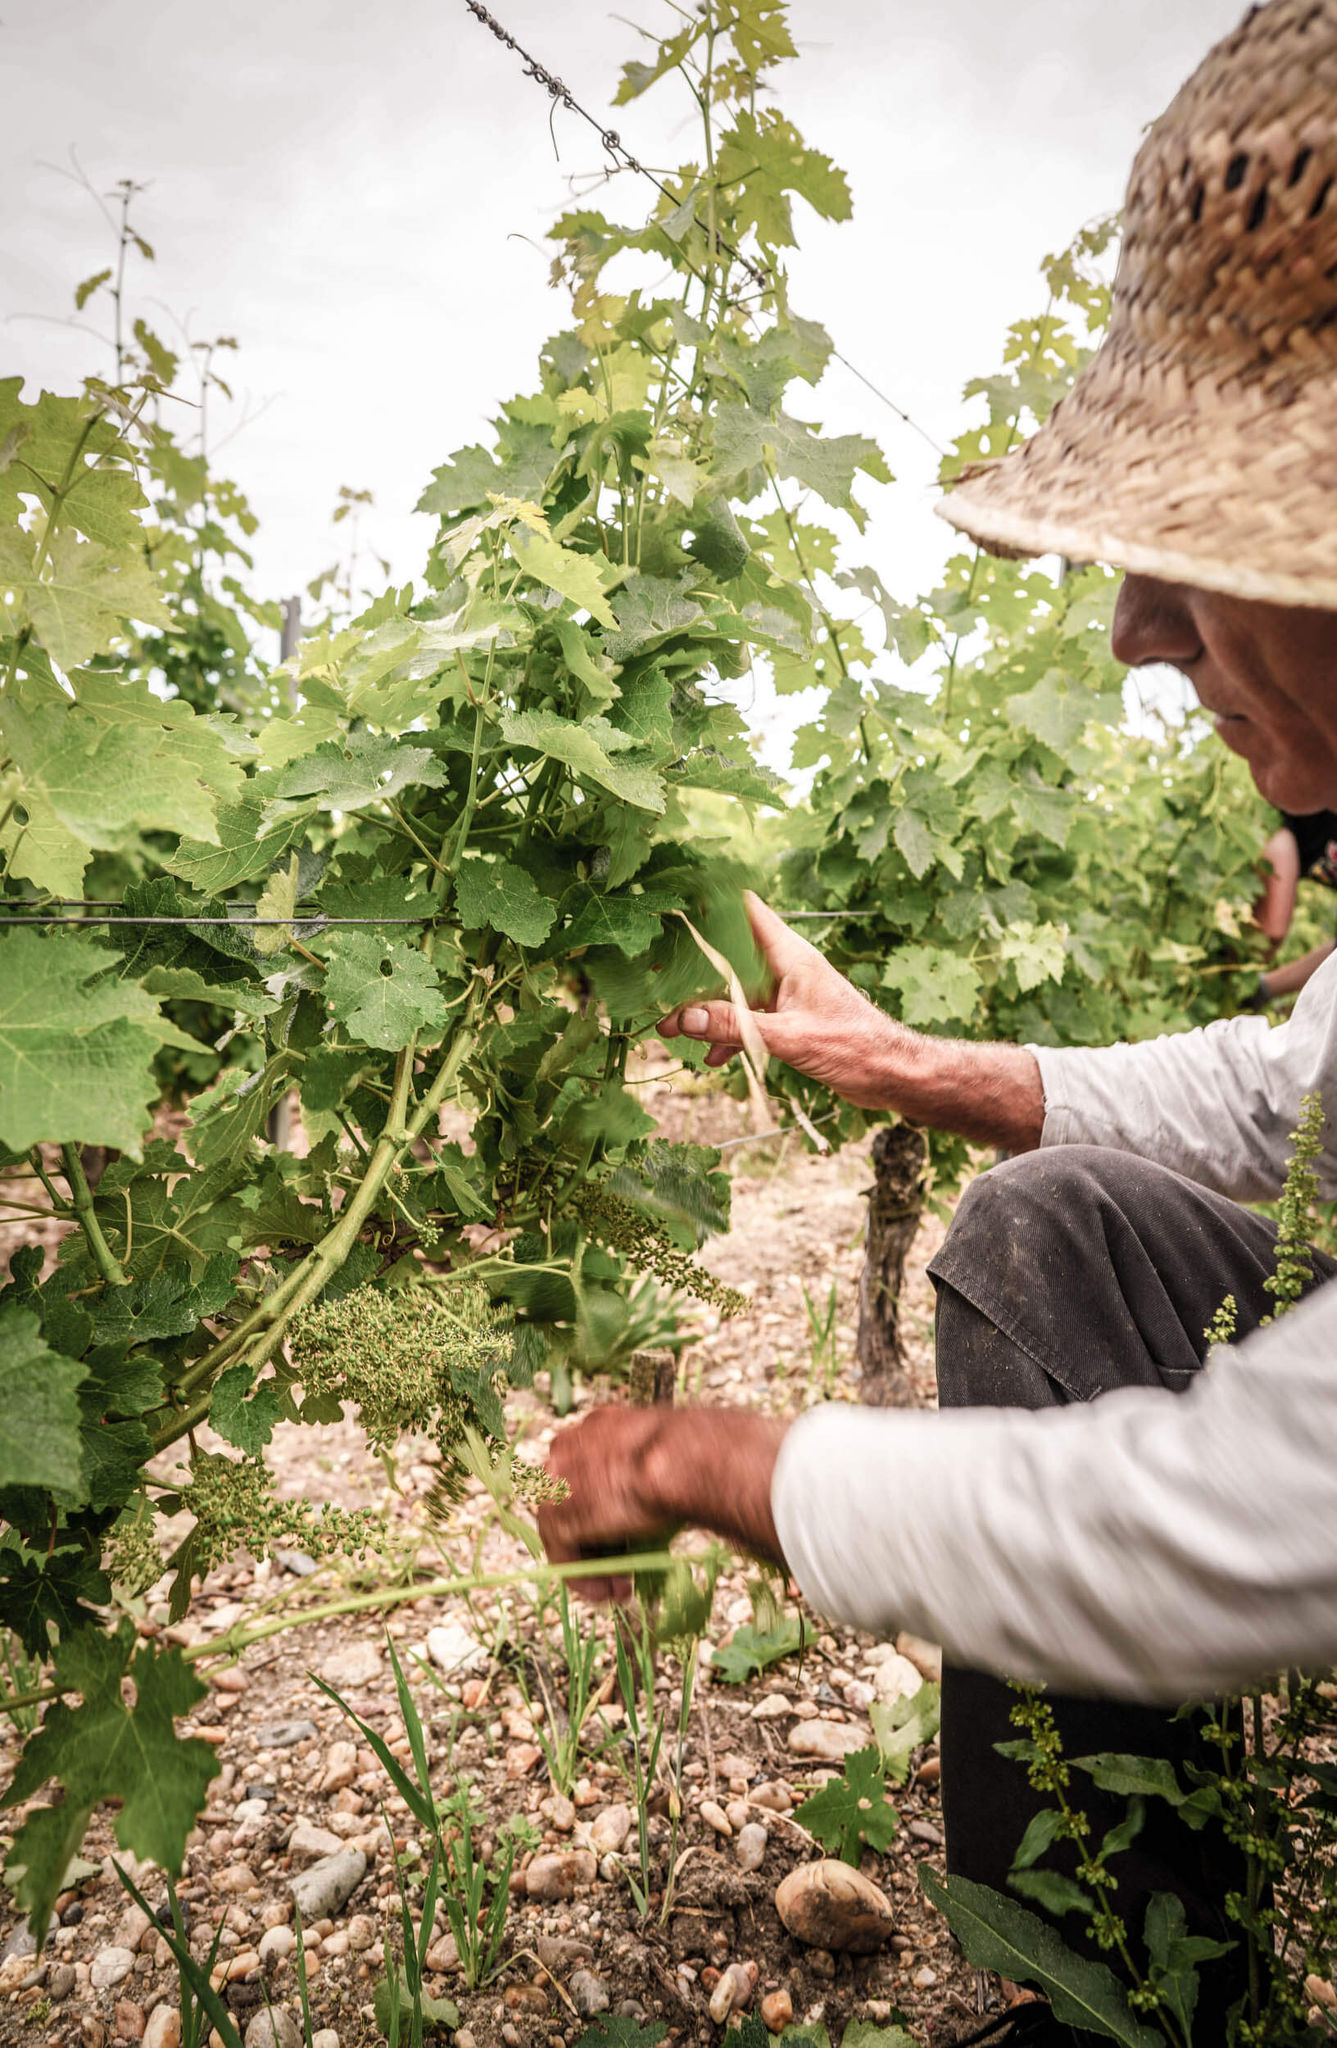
[903, 1725]
[515, 767]
[852, 1809]
[105, 1749]
[1001, 855]
[755, 1646]
[998, 1934]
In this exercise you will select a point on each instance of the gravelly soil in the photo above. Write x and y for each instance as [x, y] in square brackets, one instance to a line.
[797, 1224]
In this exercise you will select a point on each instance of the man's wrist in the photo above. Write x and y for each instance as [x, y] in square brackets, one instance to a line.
[711, 1468]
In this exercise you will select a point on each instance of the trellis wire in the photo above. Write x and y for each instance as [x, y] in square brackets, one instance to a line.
[561, 94]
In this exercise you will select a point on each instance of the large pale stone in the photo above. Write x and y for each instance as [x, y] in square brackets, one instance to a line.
[327, 1886]
[829, 1905]
[827, 1742]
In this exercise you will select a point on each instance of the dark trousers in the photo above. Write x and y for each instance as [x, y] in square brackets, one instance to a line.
[1068, 1273]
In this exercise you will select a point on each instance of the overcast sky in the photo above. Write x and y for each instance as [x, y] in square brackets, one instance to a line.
[360, 195]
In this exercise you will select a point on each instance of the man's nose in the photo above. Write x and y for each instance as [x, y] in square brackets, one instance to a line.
[1153, 622]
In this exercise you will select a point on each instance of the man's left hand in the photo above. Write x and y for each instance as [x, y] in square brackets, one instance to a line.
[638, 1473]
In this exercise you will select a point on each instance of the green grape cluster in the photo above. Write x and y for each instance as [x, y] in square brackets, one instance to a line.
[132, 1556]
[235, 1507]
[647, 1245]
[1294, 1270]
[409, 1358]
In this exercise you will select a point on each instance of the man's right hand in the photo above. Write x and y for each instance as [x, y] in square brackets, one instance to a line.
[813, 1019]
[819, 1023]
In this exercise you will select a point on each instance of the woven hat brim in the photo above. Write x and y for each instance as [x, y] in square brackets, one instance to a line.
[1231, 490]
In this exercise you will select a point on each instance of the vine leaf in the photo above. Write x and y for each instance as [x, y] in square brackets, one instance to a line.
[104, 1749]
[75, 604]
[382, 989]
[579, 578]
[75, 1046]
[753, 1649]
[39, 1408]
[249, 843]
[38, 1594]
[998, 1934]
[500, 894]
[247, 1423]
[621, 921]
[768, 159]
[360, 768]
[852, 1808]
[585, 750]
[936, 987]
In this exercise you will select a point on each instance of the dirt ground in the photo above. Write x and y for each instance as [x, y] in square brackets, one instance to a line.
[286, 1796]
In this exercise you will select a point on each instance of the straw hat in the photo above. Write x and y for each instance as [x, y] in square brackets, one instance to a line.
[1199, 445]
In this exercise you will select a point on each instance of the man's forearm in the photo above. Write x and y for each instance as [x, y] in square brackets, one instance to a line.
[991, 1094]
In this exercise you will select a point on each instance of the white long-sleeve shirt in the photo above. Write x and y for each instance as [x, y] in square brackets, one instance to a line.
[1145, 1545]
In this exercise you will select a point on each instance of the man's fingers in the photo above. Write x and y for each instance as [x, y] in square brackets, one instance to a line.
[720, 1055]
[782, 948]
[716, 1023]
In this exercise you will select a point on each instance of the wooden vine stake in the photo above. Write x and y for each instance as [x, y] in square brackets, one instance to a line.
[895, 1205]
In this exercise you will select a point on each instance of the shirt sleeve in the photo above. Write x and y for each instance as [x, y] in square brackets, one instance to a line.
[1145, 1545]
[1217, 1104]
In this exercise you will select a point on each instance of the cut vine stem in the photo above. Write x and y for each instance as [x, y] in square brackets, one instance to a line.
[229, 1647]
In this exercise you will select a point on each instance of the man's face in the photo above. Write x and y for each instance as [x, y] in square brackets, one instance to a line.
[1266, 673]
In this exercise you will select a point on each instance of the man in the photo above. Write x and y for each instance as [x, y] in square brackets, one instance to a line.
[1129, 1549]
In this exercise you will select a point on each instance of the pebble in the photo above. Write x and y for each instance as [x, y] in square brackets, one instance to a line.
[1321, 1992]
[131, 1928]
[925, 1656]
[236, 1879]
[774, 1795]
[858, 1694]
[560, 1875]
[275, 1943]
[897, 1678]
[737, 1813]
[560, 1810]
[774, 1707]
[251, 1819]
[733, 1991]
[361, 1933]
[777, 2010]
[328, 1885]
[128, 2024]
[60, 1981]
[340, 1767]
[324, 2037]
[353, 1664]
[609, 1829]
[828, 1905]
[443, 1955]
[308, 1844]
[589, 1993]
[924, 1831]
[924, 1978]
[295, 1561]
[750, 1848]
[283, 1734]
[111, 1966]
[164, 2028]
[452, 1649]
[273, 2029]
[715, 1817]
[525, 1998]
[828, 1742]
